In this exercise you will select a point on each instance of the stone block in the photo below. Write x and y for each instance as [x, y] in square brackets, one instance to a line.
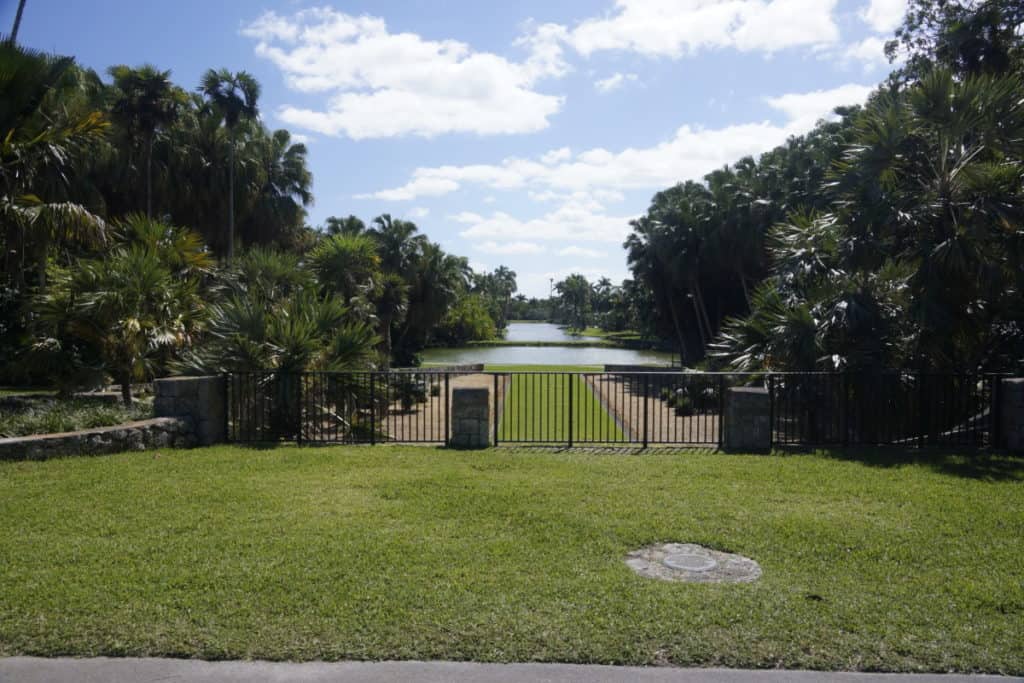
[1011, 419]
[201, 399]
[747, 421]
[471, 418]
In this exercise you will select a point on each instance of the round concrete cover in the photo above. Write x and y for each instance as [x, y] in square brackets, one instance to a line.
[692, 563]
[689, 562]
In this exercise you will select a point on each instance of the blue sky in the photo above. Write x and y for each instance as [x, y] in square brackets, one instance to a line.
[520, 133]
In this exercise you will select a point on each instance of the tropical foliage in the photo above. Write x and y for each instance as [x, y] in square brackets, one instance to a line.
[888, 237]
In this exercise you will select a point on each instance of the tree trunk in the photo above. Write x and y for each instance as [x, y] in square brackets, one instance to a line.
[149, 176]
[743, 283]
[684, 351]
[231, 203]
[704, 311]
[126, 390]
[386, 336]
[17, 22]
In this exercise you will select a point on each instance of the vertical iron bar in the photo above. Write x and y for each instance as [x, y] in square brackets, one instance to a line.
[373, 410]
[495, 409]
[771, 411]
[570, 409]
[647, 383]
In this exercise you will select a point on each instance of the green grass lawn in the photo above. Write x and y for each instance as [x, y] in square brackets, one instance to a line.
[506, 555]
[537, 409]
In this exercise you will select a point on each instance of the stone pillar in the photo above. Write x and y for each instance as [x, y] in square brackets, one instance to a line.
[471, 418]
[748, 415]
[1011, 417]
[201, 398]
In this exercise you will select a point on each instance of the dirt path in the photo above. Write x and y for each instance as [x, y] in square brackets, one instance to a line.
[623, 397]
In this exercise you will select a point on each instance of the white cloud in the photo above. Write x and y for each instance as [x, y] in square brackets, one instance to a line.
[510, 248]
[805, 109]
[869, 53]
[569, 222]
[581, 251]
[674, 28]
[602, 175]
[556, 155]
[383, 84]
[884, 16]
[300, 139]
[419, 212]
[614, 82]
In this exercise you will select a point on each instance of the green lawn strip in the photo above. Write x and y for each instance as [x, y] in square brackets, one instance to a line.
[504, 555]
[536, 408]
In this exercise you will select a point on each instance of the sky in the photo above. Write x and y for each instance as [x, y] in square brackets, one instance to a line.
[524, 133]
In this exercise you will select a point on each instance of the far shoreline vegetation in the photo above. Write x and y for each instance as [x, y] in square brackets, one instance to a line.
[148, 229]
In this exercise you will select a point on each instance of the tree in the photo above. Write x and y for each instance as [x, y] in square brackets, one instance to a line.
[234, 97]
[398, 242]
[347, 264]
[130, 305]
[146, 102]
[575, 294]
[392, 300]
[17, 22]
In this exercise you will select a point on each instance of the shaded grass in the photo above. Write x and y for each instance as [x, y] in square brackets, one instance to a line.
[537, 409]
[51, 416]
[503, 555]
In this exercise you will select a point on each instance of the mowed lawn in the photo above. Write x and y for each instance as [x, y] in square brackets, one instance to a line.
[513, 555]
[537, 407]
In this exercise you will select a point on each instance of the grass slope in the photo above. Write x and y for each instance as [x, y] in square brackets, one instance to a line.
[502, 555]
[537, 409]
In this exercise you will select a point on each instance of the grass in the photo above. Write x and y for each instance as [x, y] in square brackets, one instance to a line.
[48, 417]
[537, 408]
[504, 555]
[25, 391]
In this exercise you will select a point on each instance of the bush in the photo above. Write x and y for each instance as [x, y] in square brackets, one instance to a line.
[665, 395]
[435, 389]
[52, 417]
[683, 405]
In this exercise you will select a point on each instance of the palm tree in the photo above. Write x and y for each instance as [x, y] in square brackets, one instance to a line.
[146, 102]
[392, 304]
[234, 97]
[42, 137]
[17, 21]
[398, 242]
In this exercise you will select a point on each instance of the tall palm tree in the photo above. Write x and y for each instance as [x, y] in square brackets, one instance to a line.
[398, 242]
[17, 21]
[146, 102]
[392, 305]
[234, 97]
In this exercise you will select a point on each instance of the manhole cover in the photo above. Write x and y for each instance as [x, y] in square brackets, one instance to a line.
[688, 562]
[693, 563]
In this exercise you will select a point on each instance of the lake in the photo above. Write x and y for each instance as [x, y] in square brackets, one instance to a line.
[544, 355]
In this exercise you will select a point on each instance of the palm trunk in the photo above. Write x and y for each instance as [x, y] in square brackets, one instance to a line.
[684, 351]
[149, 176]
[126, 390]
[743, 283]
[231, 203]
[17, 22]
[704, 311]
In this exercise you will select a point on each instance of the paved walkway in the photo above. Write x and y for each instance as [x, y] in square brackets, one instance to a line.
[129, 670]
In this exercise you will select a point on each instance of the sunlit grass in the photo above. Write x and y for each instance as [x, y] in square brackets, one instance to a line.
[537, 409]
[506, 555]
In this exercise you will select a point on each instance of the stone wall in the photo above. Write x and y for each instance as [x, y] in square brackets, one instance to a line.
[747, 426]
[1011, 423]
[161, 432]
[202, 399]
[471, 418]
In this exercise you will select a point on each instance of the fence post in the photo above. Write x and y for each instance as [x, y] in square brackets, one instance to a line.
[647, 398]
[920, 410]
[844, 417]
[771, 411]
[373, 410]
[227, 406]
[496, 416]
[996, 432]
[447, 412]
[571, 382]
[721, 410]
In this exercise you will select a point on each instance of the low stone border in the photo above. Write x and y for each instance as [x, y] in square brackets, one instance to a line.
[160, 432]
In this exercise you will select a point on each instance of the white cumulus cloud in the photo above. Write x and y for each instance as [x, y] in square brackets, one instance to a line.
[510, 248]
[675, 28]
[602, 175]
[381, 84]
[614, 82]
[884, 16]
[582, 251]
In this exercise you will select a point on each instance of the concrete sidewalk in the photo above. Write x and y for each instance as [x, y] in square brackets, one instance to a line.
[130, 670]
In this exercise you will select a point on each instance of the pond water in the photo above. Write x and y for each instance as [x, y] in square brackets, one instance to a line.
[543, 355]
[545, 332]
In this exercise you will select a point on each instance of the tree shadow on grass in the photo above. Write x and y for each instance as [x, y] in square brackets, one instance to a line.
[980, 465]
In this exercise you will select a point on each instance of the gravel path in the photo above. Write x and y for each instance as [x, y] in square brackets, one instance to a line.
[623, 397]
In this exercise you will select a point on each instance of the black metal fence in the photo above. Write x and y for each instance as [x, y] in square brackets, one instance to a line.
[614, 408]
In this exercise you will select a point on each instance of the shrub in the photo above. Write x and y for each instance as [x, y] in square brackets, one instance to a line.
[683, 405]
